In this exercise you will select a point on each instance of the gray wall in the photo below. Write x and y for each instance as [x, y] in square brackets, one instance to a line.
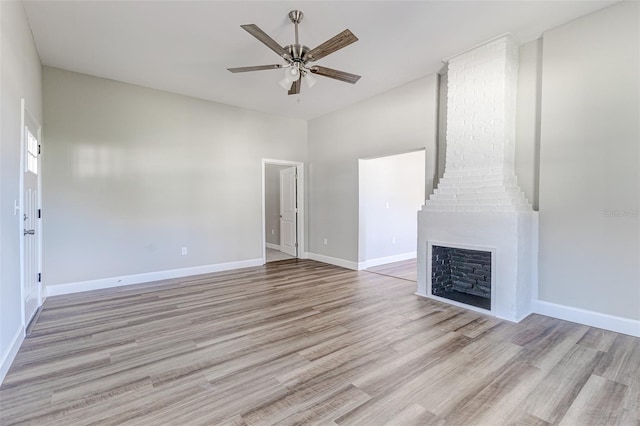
[527, 156]
[133, 175]
[21, 76]
[399, 120]
[272, 202]
[589, 163]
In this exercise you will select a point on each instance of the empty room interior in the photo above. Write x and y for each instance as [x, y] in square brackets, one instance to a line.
[320, 212]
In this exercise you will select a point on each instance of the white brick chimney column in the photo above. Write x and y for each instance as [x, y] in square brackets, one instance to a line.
[481, 127]
[478, 204]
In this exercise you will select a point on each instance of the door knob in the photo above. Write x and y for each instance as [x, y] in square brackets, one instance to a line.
[29, 231]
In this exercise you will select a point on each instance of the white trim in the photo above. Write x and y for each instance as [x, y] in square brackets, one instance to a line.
[27, 117]
[273, 246]
[388, 259]
[10, 354]
[23, 123]
[76, 287]
[300, 201]
[590, 318]
[333, 261]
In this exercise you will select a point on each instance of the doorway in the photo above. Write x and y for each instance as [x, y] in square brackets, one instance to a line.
[282, 210]
[30, 225]
[391, 191]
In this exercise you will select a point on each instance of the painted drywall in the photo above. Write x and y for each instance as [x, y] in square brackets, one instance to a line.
[133, 175]
[391, 191]
[396, 121]
[527, 155]
[21, 75]
[589, 163]
[272, 202]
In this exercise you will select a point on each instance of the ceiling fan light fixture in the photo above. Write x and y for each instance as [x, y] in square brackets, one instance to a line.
[291, 74]
[285, 84]
[309, 80]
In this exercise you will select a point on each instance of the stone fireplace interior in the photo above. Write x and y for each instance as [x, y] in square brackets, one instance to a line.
[461, 275]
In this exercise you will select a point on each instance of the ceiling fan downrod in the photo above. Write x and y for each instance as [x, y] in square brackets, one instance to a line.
[296, 17]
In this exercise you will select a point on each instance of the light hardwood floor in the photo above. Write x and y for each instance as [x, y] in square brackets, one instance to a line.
[276, 255]
[299, 342]
[405, 269]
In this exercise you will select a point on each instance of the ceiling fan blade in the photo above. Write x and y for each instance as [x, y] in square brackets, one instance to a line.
[255, 68]
[336, 74]
[295, 87]
[255, 31]
[337, 42]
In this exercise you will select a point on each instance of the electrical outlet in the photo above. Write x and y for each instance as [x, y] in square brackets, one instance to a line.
[184, 251]
[393, 240]
[325, 242]
[273, 232]
[387, 205]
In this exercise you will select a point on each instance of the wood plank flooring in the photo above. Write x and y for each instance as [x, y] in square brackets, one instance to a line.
[301, 342]
[276, 255]
[405, 269]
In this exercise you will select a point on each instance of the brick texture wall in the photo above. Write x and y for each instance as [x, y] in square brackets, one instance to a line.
[481, 103]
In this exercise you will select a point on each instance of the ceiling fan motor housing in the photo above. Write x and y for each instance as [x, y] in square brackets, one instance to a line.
[298, 52]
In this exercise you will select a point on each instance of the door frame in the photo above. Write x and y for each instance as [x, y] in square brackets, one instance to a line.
[300, 202]
[26, 114]
[364, 261]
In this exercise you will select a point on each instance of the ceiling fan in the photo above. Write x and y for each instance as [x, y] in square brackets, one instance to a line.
[298, 56]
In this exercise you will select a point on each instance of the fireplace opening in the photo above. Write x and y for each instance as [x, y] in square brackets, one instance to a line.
[461, 275]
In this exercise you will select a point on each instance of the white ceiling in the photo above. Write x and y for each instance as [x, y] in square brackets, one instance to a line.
[185, 46]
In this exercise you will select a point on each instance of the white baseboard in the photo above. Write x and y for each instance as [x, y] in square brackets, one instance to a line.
[273, 246]
[590, 318]
[9, 355]
[388, 259]
[333, 261]
[68, 288]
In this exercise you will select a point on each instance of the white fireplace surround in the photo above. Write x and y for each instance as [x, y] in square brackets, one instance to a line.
[478, 203]
[510, 237]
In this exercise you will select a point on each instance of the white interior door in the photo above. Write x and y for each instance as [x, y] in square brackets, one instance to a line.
[30, 220]
[288, 212]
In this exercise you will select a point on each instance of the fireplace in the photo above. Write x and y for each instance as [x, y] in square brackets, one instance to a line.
[461, 275]
[478, 205]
